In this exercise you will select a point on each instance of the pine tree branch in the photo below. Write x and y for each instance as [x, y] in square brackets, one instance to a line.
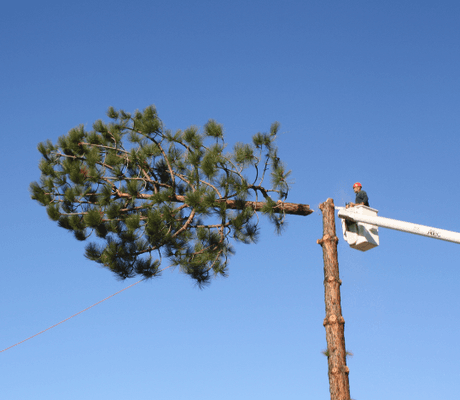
[184, 227]
[103, 147]
[262, 190]
[281, 206]
[211, 226]
[171, 172]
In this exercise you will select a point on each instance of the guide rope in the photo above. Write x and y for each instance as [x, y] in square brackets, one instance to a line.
[59, 323]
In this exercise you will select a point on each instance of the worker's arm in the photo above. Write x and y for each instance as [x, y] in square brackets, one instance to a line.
[353, 204]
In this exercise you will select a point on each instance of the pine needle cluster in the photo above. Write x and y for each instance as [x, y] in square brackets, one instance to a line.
[144, 193]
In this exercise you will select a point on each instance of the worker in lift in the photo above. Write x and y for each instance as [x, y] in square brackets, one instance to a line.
[361, 196]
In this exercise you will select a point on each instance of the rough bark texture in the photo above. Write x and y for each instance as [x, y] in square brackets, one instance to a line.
[334, 322]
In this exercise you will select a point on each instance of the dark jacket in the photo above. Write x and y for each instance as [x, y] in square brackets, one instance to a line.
[361, 197]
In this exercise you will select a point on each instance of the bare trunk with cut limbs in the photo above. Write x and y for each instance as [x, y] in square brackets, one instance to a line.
[334, 323]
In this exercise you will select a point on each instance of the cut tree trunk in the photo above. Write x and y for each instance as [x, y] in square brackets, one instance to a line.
[334, 323]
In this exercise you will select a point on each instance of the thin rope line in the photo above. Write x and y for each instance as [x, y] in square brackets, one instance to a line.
[59, 323]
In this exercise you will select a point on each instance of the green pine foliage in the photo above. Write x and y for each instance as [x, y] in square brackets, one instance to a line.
[142, 194]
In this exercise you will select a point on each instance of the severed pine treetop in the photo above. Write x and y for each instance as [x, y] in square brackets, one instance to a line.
[142, 194]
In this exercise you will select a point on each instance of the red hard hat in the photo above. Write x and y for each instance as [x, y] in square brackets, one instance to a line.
[357, 184]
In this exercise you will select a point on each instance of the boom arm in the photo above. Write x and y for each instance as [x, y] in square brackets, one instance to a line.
[409, 227]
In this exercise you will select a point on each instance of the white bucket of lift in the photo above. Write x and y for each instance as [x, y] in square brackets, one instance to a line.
[359, 235]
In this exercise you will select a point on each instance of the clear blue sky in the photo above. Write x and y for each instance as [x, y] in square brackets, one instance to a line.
[364, 90]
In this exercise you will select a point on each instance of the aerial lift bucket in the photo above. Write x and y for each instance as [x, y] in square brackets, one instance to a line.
[359, 235]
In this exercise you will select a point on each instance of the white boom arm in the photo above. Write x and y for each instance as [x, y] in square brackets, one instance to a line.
[441, 234]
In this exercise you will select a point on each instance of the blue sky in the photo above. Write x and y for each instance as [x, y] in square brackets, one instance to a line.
[364, 91]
